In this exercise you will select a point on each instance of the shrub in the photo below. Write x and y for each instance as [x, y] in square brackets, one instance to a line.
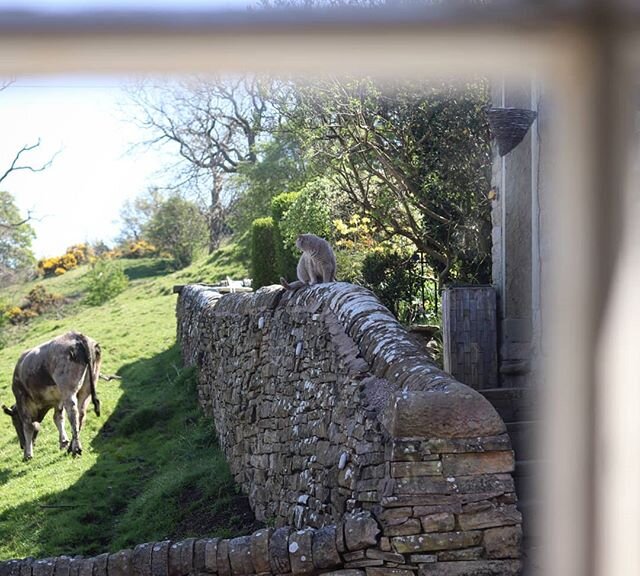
[263, 260]
[390, 276]
[286, 256]
[58, 265]
[139, 249]
[38, 301]
[83, 253]
[104, 280]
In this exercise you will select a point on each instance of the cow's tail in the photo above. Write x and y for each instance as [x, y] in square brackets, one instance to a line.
[91, 356]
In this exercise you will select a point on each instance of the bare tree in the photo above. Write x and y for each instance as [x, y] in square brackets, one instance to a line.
[19, 163]
[215, 125]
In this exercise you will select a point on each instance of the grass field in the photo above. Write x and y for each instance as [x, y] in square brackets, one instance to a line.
[151, 468]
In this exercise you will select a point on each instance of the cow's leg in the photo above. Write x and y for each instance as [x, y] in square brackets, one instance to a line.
[30, 432]
[58, 418]
[71, 406]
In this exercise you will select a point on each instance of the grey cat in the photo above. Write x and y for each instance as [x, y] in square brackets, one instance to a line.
[317, 263]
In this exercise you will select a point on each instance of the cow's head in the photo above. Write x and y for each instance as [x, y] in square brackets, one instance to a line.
[17, 422]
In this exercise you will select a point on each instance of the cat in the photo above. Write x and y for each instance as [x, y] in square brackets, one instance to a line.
[317, 263]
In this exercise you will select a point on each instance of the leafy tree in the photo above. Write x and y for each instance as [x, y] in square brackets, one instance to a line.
[16, 236]
[280, 167]
[137, 213]
[177, 228]
[311, 212]
[413, 157]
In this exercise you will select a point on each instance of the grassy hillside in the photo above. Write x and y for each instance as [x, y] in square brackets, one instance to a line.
[150, 468]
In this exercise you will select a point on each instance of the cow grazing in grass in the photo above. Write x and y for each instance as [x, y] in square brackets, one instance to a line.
[59, 374]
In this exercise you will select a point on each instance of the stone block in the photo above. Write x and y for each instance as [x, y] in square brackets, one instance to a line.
[260, 550]
[186, 555]
[100, 565]
[25, 567]
[360, 531]
[222, 558]
[472, 568]
[119, 564]
[411, 526]
[475, 464]
[278, 551]
[495, 484]
[175, 565]
[211, 555]
[419, 500]
[76, 563]
[414, 469]
[160, 559]
[475, 553]
[43, 567]
[461, 445]
[384, 571]
[436, 541]
[422, 485]
[61, 569]
[86, 567]
[491, 517]
[422, 558]
[240, 556]
[300, 551]
[393, 516]
[345, 573]
[453, 508]
[503, 542]
[324, 548]
[141, 560]
[441, 522]
[387, 557]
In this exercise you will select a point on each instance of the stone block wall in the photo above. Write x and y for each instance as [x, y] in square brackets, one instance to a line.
[363, 457]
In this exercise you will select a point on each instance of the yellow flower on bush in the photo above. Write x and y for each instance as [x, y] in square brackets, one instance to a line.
[59, 271]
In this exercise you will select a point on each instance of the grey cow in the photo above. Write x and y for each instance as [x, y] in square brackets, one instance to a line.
[59, 374]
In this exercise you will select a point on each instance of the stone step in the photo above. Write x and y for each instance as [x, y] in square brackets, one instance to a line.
[513, 404]
[523, 437]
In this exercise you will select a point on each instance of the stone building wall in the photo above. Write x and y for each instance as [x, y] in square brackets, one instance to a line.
[360, 454]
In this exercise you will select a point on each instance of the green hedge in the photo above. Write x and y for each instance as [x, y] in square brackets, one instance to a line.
[263, 253]
[286, 256]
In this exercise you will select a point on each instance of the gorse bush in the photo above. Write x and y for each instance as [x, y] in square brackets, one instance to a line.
[263, 248]
[139, 249]
[38, 301]
[72, 258]
[104, 280]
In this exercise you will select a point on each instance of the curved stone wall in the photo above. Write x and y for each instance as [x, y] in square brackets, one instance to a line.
[365, 458]
[325, 405]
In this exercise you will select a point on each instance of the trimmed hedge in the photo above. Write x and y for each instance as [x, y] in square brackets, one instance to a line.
[263, 253]
[286, 258]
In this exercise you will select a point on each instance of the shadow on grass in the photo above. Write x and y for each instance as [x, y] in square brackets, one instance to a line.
[148, 269]
[159, 474]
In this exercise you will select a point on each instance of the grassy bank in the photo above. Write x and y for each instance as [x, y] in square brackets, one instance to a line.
[150, 468]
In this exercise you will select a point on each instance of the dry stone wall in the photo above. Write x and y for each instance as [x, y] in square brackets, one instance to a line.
[363, 457]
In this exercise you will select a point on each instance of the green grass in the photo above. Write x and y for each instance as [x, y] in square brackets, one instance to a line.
[151, 468]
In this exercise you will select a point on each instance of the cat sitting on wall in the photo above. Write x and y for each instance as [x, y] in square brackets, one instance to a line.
[317, 263]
